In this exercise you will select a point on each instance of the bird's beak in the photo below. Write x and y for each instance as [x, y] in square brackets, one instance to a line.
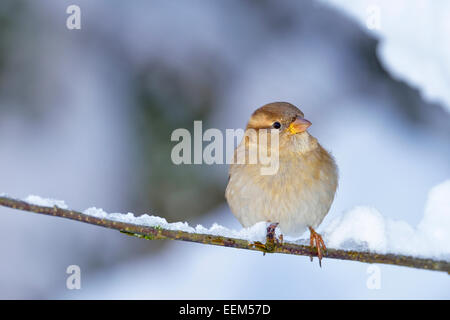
[299, 125]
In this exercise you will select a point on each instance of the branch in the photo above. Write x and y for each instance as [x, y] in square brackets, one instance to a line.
[158, 233]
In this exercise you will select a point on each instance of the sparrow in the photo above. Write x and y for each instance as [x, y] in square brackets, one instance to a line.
[299, 194]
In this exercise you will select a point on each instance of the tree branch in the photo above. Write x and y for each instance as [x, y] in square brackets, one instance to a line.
[158, 233]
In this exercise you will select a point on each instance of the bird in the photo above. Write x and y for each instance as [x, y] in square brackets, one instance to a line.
[298, 196]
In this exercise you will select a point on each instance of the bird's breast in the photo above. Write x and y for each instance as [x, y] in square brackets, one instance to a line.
[298, 195]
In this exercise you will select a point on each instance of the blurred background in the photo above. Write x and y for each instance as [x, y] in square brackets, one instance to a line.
[86, 117]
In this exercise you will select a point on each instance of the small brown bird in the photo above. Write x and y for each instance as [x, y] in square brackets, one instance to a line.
[299, 195]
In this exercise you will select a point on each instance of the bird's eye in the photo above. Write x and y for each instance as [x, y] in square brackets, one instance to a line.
[276, 125]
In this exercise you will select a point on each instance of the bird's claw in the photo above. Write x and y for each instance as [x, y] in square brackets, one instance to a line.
[316, 240]
[271, 239]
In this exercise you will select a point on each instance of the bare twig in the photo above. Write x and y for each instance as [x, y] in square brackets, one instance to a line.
[158, 233]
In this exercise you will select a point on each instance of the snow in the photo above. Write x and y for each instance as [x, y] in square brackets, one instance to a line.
[414, 44]
[436, 221]
[366, 228]
[257, 232]
[36, 200]
[361, 228]
[254, 233]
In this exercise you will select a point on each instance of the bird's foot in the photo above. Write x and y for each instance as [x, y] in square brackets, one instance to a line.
[316, 240]
[270, 236]
[271, 239]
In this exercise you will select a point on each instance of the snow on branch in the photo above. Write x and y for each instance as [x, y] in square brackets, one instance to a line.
[156, 228]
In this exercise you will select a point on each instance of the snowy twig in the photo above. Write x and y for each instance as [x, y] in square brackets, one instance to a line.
[157, 233]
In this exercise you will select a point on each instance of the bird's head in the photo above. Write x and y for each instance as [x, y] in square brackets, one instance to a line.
[290, 122]
[283, 116]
